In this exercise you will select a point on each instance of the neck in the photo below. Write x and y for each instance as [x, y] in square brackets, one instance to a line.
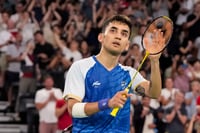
[107, 60]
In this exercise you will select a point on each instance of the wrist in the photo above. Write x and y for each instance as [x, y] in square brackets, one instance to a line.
[103, 104]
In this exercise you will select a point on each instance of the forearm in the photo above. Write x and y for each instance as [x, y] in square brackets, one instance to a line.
[12, 59]
[89, 108]
[39, 106]
[155, 85]
[170, 116]
[181, 117]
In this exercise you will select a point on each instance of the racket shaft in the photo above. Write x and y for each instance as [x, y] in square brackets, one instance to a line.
[115, 110]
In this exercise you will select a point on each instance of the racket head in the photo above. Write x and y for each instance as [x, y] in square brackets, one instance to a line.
[165, 25]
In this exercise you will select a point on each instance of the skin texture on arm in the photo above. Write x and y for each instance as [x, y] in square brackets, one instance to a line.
[92, 107]
[155, 85]
[39, 106]
[170, 116]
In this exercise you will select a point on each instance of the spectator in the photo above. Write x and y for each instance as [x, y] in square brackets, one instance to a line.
[143, 119]
[177, 115]
[45, 102]
[197, 122]
[5, 19]
[5, 39]
[137, 39]
[85, 49]
[57, 68]
[193, 23]
[27, 25]
[19, 8]
[73, 53]
[38, 9]
[160, 7]
[190, 98]
[27, 82]
[135, 53]
[64, 119]
[167, 94]
[185, 9]
[43, 52]
[51, 17]
[13, 55]
[179, 74]
[193, 68]
[166, 101]
[191, 127]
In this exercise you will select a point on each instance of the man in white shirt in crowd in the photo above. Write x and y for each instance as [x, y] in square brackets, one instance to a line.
[45, 102]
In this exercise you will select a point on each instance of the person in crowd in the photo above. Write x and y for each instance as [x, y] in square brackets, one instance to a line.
[192, 126]
[48, 20]
[13, 55]
[45, 102]
[85, 49]
[176, 116]
[44, 52]
[64, 118]
[179, 74]
[28, 78]
[144, 120]
[166, 101]
[190, 98]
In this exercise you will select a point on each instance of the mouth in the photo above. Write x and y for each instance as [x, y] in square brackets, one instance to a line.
[116, 43]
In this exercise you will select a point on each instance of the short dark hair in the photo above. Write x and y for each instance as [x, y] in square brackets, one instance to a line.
[39, 32]
[118, 18]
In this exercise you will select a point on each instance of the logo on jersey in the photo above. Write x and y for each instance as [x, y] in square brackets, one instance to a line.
[96, 84]
[123, 84]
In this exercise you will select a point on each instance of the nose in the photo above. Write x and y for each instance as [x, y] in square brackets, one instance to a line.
[118, 38]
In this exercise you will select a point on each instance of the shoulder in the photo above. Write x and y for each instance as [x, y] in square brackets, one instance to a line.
[86, 62]
[41, 91]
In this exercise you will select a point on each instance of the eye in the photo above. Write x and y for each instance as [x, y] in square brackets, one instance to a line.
[113, 30]
[124, 34]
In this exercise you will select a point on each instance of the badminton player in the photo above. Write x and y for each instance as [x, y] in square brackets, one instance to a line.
[95, 85]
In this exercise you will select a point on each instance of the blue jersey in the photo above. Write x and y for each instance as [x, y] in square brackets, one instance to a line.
[89, 81]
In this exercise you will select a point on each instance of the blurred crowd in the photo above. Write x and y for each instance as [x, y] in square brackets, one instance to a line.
[40, 39]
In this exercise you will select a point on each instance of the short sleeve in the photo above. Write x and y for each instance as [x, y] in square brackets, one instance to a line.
[74, 83]
[39, 98]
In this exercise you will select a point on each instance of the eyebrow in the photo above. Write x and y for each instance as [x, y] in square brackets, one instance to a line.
[113, 27]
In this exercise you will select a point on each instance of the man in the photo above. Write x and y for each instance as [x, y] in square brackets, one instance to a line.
[176, 116]
[45, 102]
[166, 101]
[190, 98]
[43, 52]
[95, 85]
[143, 118]
[13, 59]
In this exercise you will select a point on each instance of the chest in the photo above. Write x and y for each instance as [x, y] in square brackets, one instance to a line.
[100, 83]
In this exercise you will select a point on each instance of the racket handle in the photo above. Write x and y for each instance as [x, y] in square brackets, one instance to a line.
[115, 110]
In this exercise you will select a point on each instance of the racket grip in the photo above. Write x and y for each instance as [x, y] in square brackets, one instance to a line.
[115, 110]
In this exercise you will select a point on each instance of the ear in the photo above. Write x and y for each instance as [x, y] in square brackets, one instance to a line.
[100, 37]
[127, 45]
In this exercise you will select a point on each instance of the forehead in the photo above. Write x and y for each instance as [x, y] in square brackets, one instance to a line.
[118, 25]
